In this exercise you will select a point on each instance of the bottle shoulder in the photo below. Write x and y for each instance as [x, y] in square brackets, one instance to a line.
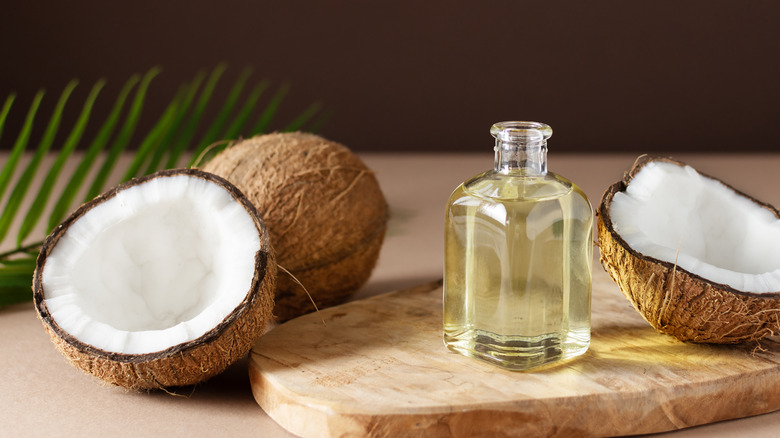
[492, 186]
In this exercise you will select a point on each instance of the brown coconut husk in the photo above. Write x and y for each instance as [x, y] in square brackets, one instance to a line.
[323, 207]
[183, 364]
[675, 301]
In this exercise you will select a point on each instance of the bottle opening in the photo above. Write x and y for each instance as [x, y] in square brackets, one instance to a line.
[524, 132]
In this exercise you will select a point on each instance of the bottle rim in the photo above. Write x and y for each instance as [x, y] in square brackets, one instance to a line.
[521, 131]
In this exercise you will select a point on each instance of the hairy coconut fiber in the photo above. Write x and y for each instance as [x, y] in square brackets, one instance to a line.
[323, 208]
[675, 301]
[186, 363]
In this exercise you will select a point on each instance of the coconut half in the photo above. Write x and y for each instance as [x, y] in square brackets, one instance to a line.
[697, 258]
[162, 281]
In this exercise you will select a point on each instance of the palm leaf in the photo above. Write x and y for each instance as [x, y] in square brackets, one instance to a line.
[98, 144]
[209, 144]
[163, 146]
[188, 92]
[239, 121]
[123, 138]
[15, 280]
[20, 145]
[4, 111]
[197, 113]
[304, 118]
[227, 108]
[36, 210]
[19, 192]
[153, 139]
[265, 118]
[182, 124]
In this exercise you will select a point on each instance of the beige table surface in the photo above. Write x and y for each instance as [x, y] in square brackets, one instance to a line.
[41, 395]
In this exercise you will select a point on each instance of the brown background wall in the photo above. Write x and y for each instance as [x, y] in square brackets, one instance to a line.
[629, 76]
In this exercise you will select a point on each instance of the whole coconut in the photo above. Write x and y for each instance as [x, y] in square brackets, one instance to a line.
[324, 210]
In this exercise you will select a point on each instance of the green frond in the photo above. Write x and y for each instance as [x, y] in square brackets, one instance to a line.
[153, 139]
[227, 108]
[234, 131]
[265, 118]
[123, 138]
[239, 121]
[20, 191]
[95, 148]
[200, 107]
[299, 122]
[175, 146]
[20, 145]
[4, 111]
[36, 210]
[163, 146]
[317, 124]
[15, 280]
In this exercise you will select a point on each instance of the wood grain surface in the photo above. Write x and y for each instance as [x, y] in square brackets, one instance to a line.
[378, 368]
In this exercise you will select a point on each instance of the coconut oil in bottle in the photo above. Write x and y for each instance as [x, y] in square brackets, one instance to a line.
[518, 254]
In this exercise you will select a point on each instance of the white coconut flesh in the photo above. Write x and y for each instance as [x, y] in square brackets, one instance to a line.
[159, 264]
[674, 214]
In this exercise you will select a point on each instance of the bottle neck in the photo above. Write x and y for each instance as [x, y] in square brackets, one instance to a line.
[521, 158]
[521, 148]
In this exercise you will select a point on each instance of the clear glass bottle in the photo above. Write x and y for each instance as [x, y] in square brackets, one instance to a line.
[517, 258]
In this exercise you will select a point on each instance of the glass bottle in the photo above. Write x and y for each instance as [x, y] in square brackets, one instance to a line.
[518, 255]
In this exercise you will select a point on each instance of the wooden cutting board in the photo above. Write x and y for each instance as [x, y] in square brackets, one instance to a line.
[379, 368]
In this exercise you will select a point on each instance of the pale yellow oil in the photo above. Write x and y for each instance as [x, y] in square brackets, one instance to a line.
[517, 270]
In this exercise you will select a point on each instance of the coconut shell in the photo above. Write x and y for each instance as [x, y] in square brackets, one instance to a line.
[675, 301]
[186, 363]
[324, 210]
